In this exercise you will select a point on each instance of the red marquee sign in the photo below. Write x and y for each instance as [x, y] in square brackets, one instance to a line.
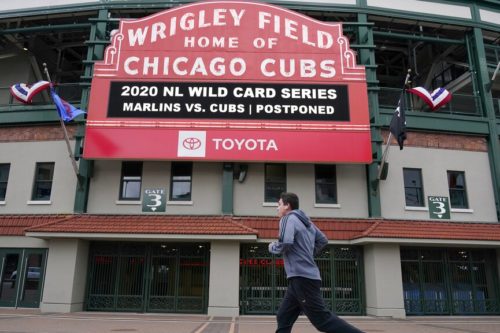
[229, 81]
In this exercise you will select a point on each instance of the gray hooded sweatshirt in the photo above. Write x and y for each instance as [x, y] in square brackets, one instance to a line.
[299, 240]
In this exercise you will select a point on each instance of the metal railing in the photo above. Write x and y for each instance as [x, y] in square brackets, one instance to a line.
[388, 98]
[496, 106]
[460, 104]
[263, 281]
[449, 281]
[70, 92]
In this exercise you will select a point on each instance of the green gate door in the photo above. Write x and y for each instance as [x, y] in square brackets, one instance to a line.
[179, 278]
[148, 277]
[438, 281]
[263, 280]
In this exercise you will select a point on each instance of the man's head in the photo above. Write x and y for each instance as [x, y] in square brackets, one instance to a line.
[288, 201]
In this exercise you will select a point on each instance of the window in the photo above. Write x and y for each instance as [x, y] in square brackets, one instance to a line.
[130, 187]
[414, 192]
[325, 184]
[42, 186]
[4, 177]
[275, 182]
[181, 181]
[458, 192]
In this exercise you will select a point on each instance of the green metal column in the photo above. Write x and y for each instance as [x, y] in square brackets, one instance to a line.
[483, 79]
[227, 188]
[367, 58]
[97, 41]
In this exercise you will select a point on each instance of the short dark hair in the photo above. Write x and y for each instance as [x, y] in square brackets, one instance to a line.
[291, 199]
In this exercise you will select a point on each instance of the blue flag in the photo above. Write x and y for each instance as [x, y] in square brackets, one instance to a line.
[66, 111]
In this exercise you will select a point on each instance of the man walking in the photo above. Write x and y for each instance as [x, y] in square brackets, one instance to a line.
[299, 240]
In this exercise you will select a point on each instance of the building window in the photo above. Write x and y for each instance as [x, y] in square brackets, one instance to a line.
[4, 178]
[42, 186]
[181, 181]
[130, 186]
[275, 182]
[458, 191]
[414, 191]
[325, 184]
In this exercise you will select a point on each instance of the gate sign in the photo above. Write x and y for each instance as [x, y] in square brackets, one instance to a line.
[229, 81]
[154, 200]
[439, 207]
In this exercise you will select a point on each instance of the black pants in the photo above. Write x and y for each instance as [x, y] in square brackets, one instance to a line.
[304, 295]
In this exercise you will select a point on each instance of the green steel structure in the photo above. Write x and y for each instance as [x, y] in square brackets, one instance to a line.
[388, 44]
[454, 50]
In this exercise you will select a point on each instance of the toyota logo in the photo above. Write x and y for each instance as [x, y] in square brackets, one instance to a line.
[191, 143]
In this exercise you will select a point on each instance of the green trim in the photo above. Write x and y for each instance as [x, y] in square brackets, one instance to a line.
[94, 52]
[43, 28]
[440, 122]
[418, 37]
[483, 79]
[367, 57]
[20, 114]
[360, 7]
[227, 188]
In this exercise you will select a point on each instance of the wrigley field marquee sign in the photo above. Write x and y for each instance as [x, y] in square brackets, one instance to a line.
[229, 81]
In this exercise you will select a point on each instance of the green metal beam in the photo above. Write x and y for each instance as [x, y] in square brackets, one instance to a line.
[94, 52]
[44, 28]
[367, 58]
[418, 37]
[483, 78]
[442, 123]
[41, 114]
[227, 188]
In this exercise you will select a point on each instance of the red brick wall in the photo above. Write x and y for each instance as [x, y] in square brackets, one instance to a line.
[35, 133]
[443, 141]
[414, 139]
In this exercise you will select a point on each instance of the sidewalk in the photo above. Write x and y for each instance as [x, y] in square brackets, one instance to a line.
[32, 321]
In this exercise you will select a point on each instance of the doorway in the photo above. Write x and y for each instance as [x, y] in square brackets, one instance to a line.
[454, 281]
[21, 277]
[155, 277]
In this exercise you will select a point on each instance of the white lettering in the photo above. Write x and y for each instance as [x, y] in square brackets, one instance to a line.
[263, 67]
[184, 66]
[304, 68]
[176, 68]
[293, 30]
[328, 69]
[137, 36]
[127, 64]
[212, 41]
[147, 65]
[158, 29]
[307, 68]
[245, 144]
[186, 22]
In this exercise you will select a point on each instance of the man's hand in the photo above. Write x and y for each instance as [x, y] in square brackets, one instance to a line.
[275, 247]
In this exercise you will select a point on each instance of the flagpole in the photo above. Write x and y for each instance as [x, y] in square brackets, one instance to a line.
[66, 137]
[496, 72]
[389, 137]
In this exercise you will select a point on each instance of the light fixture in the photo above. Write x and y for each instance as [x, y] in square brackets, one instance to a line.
[243, 172]
[25, 46]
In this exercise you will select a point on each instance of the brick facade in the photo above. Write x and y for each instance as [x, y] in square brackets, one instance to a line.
[443, 141]
[35, 133]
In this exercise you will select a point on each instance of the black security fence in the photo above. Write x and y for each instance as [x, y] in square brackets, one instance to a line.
[439, 281]
[170, 277]
[263, 281]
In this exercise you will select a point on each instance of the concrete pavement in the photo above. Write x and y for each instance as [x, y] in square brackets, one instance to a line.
[32, 321]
